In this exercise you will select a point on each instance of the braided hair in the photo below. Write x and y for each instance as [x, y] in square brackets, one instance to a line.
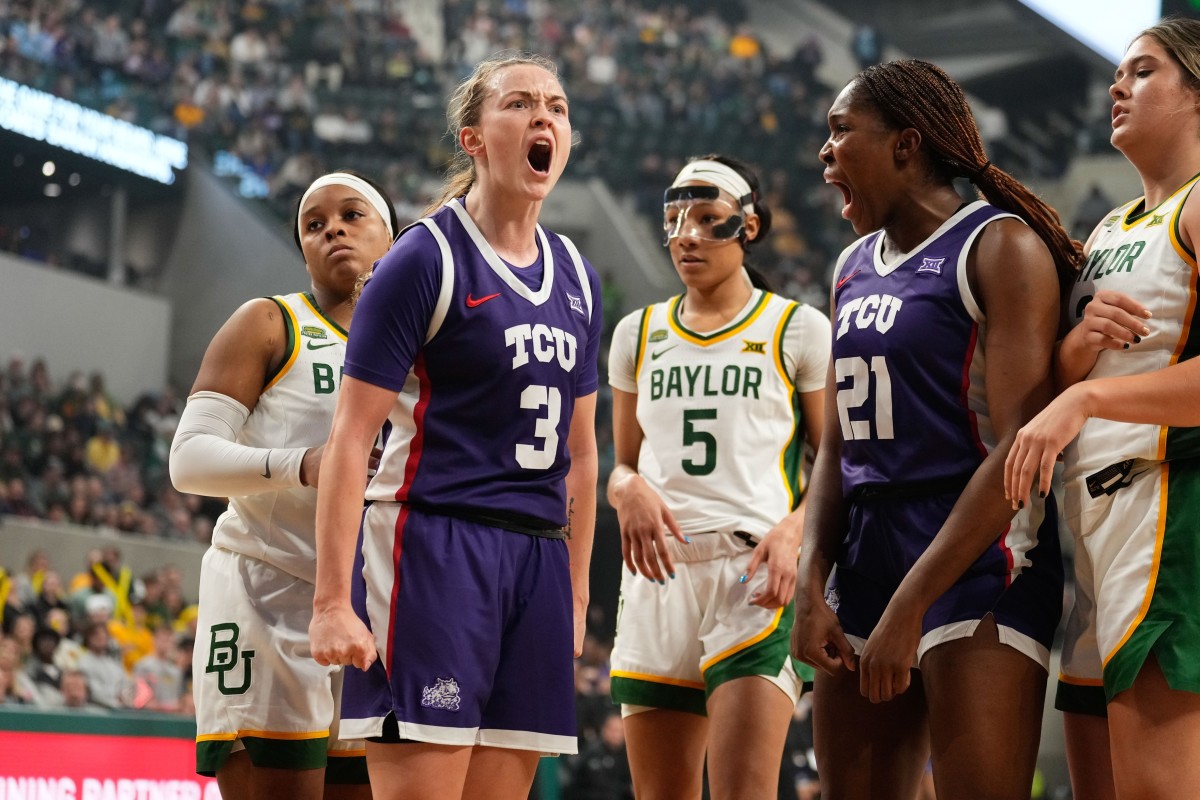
[920, 95]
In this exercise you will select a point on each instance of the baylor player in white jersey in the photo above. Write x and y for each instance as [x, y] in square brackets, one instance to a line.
[1130, 683]
[254, 430]
[717, 394]
[710, 404]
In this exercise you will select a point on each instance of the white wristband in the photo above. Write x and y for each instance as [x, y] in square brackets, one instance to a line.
[207, 459]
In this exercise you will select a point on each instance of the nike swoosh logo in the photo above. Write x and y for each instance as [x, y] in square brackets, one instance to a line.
[842, 282]
[654, 356]
[472, 302]
[266, 473]
[315, 346]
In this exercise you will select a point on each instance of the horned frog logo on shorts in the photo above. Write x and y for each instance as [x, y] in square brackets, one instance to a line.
[223, 657]
[833, 599]
[444, 695]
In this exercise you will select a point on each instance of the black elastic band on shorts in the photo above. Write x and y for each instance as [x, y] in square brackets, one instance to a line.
[906, 490]
[505, 520]
[747, 538]
[1110, 479]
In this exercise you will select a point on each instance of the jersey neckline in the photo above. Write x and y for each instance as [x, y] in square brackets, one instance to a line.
[883, 269]
[503, 271]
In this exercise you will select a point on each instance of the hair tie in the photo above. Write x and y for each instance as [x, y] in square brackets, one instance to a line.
[979, 172]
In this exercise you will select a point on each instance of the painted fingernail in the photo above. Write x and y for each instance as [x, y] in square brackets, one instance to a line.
[687, 539]
[672, 576]
[1137, 339]
[1126, 345]
[1043, 494]
[1020, 504]
[742, 579]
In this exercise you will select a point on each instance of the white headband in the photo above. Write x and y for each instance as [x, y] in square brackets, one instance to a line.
[721, 176]
[369, 193]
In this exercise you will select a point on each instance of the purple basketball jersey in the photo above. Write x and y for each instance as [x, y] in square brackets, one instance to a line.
[487, 361]
[908, 360]
[909, 364]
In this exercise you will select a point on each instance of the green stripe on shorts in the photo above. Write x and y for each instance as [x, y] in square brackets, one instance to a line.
[658, 695]
[211, 755]
[287, 753]
[271, 753]
[1171, 627]
[767, 657]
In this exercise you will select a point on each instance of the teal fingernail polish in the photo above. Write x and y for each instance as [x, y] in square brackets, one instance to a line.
[742, 579]
[672, 576]
[687, 539]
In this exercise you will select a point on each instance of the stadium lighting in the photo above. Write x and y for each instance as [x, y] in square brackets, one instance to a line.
[55, 121]
[1105, 26]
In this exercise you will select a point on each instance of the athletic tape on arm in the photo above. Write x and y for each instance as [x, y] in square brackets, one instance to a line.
[206, 458]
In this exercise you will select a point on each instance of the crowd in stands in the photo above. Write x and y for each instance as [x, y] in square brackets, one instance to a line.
[290, 89]
[73, 454]
[102, 640]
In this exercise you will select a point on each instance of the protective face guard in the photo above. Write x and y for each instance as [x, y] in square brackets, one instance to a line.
[702, 212]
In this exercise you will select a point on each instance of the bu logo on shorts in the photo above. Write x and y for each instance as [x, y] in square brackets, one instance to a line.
[444, 695]
[223, 657]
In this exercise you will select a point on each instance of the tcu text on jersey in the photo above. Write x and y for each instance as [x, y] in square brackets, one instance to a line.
[879, 310]
[546, 342]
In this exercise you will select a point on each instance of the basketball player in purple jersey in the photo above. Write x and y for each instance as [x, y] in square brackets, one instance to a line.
[944, 318]
[1125, 423]
[477, 358]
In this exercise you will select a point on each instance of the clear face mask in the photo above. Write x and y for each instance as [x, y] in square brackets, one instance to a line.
[701, 212]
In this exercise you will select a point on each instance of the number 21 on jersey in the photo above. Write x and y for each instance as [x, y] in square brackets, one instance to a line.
[865, 386]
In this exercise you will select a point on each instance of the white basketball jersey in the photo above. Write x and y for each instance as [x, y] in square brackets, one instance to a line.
[724, 437]
[294, 410]
[1140, 254]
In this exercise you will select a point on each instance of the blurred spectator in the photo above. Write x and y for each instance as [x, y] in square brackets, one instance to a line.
[134, 639]
[44, 674]
[601, 770]
[159, 671]
[76, 692]
[798, 772]
[867, 45]
[103, 450]
[107, 680]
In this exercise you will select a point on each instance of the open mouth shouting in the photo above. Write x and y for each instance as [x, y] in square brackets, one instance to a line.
[540, 153]
[847, 196]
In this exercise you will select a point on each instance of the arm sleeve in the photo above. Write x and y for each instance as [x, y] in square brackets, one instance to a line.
[207, 459]
[392, 316]
[622, 353]
[806, 346]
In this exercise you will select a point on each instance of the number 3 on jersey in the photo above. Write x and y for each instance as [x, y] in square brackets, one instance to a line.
[546, 428]
[854, 379]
